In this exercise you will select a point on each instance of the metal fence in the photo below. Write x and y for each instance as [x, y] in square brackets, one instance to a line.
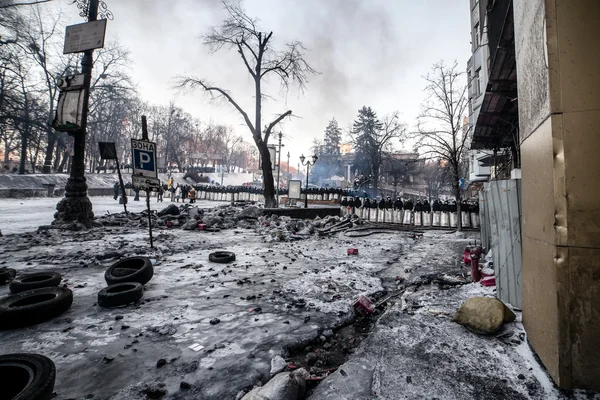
[501, 214]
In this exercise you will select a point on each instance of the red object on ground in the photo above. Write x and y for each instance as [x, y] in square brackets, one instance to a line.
[169, 224]
[352, 252]
[201, 227]
[475, 254]
[484, 275]
[489, 281]
[363, 305]
[291, 366]
[467, 255]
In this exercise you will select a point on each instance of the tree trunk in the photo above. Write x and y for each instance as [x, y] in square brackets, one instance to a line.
[23, 154]
[57, 156]
[63, 162]
[269, 183]
[49, 152]
[457, 197]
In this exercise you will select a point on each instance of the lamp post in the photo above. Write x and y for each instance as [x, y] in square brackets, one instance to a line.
[76, 206]
[288, 166]
[308, 164]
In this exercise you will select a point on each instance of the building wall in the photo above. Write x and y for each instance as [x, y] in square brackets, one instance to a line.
[559, 116]
[477, 73]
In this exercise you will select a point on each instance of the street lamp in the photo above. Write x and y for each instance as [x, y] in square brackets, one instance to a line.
[308, 164]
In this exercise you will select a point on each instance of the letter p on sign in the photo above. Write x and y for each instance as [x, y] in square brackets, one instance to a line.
[144, 159]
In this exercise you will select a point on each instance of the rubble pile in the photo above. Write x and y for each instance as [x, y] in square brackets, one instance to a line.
[239, 215]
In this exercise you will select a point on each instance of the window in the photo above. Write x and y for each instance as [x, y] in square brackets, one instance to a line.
[477, 82]
[475, 37]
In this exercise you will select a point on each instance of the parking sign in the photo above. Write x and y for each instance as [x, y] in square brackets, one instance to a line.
[144, 158]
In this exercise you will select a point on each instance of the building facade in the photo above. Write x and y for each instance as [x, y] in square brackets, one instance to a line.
[477, 77]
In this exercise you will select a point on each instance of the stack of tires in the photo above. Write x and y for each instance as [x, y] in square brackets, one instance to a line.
[35, 298]
[126, 279]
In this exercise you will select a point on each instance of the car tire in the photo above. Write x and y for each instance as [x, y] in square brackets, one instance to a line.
[221, 257]
[121, 272]
[142, 267]
[34, 306]
[36, 280]
[27, 377]
[7, 275]
[120, 294]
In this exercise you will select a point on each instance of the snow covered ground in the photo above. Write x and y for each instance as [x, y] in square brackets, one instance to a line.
[24, 215]
[275, 297]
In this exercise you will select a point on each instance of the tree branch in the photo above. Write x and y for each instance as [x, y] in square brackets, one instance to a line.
[191, 82]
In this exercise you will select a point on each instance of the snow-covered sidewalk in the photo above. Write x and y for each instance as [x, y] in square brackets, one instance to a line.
[25, 215]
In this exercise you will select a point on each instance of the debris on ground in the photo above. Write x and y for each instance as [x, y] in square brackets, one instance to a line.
[283, 386]
[278, 364]
[483, 315]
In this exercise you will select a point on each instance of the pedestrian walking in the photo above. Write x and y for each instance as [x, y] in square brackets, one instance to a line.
[177, 194]
[159, 196]
[116, 190]
[192, 195]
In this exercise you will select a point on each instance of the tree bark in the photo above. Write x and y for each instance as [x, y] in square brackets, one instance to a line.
[23, 154]
[47, 169]
[269, 189]
[457, 197]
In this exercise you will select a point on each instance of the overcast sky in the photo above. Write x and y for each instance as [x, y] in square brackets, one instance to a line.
[367, 52]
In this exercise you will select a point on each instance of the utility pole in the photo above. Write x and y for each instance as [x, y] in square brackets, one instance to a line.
[76, 206]
[288, 166]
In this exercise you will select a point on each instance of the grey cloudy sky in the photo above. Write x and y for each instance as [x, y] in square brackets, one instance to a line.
[368, 52]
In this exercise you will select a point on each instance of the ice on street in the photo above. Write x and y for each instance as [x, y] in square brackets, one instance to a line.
[276, 298]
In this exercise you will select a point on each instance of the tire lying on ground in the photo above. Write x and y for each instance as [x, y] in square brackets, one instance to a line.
[140, 267]
[222, 257]
[34, 306]
[35, 281]
[120, 294]
[26, 377]
[7, 275]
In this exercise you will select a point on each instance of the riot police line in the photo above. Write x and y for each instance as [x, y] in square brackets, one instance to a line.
[250, 193]
[412, 213]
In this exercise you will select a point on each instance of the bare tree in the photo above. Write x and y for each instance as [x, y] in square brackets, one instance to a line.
[373, 139]
[261, 59]
[400, 170]
[439, 126]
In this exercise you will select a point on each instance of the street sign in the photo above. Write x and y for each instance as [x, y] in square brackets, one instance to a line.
[86, 36]
[144, 158]
[145, 183]
[107, 150]
[294, 189]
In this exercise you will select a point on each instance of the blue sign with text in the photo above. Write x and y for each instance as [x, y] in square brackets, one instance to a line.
[144, 158]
